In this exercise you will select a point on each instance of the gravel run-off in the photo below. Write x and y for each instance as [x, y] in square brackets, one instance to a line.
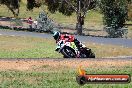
[29, 64]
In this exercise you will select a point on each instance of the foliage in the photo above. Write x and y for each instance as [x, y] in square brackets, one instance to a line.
[33, 3]
[13, 5]
[54, 5]
[44, 23]
[115, 14]
[67, 7]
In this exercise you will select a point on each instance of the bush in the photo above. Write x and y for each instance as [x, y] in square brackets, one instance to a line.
[45, 24]
[115, 15]
[118, 33]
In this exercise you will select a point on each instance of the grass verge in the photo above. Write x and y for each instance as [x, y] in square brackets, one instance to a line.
[63, 76]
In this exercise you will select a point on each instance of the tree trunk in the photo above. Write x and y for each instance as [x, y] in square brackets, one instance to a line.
[79, 24]
[79, 28]
[15, 12]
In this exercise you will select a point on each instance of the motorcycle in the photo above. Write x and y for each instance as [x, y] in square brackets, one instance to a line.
[70, 50]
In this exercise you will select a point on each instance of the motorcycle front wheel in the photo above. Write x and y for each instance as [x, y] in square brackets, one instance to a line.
[68, 52]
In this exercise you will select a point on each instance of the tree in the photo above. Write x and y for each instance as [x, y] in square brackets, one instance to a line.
[13, 5]
[33, 3]
[67, 7]
[115, 15]
[129, 9]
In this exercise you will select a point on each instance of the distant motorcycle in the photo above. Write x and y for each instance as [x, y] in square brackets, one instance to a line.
[69, 50]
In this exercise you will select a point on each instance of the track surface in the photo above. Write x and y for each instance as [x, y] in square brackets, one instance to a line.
[111, 41]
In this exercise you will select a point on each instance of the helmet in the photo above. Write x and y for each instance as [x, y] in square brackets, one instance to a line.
[56, 35]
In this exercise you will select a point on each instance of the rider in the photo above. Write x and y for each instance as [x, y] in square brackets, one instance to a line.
[68, 38]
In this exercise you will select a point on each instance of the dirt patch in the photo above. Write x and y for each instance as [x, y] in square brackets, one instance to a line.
[14, 24]
[23, 65]
[5, 23]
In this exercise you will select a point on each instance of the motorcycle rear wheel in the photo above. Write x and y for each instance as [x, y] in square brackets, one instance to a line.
[87, 53]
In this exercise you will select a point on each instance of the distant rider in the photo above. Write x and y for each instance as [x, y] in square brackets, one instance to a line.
[30, 22]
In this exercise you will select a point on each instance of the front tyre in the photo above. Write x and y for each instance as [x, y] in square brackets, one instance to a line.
[68, 52]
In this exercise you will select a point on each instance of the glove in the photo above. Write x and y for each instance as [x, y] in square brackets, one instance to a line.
[57, 49]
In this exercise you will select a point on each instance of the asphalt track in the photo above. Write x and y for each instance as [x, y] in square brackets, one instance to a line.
[99, 40]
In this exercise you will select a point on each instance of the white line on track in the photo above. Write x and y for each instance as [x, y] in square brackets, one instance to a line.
[3, 17]
[12, 35]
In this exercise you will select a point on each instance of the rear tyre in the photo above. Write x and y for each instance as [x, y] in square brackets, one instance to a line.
[91, 55]
[87, 53]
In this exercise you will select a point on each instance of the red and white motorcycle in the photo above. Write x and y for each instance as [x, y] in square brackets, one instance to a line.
[69, 50]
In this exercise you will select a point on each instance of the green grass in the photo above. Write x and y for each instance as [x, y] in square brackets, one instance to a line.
[102, 50]
[30, 47]
[27, 47]
[59, 79]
